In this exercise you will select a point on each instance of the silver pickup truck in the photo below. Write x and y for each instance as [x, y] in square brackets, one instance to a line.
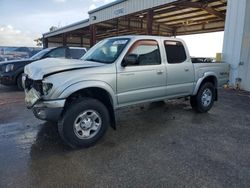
[82, 95]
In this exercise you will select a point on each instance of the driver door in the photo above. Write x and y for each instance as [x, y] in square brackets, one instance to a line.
[144, 80]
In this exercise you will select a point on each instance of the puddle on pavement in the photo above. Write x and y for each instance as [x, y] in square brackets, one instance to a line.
[21, 145]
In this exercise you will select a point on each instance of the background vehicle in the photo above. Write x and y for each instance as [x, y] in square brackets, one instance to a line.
[11, 71]
[82, 95]
[8, 53]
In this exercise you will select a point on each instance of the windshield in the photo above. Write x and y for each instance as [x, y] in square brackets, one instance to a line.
[106, 51]
[40, 54]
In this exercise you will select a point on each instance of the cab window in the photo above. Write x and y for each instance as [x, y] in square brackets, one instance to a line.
[147, 53]
[175, 52]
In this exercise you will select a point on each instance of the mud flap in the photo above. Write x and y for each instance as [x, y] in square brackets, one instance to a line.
[112, 119]
[216, 94]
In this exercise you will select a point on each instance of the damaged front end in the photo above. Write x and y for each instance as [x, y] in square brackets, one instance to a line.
[33, 90]
[43, 109]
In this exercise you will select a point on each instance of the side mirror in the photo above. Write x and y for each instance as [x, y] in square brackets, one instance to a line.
[131, 59]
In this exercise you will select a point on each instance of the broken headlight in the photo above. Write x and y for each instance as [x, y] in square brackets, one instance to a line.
[46, 88]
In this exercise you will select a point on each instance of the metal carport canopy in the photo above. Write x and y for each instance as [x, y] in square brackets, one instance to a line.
[158, 17]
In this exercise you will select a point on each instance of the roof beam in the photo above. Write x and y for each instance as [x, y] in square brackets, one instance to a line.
[202, 6]
[184, 19]
[159, 17]
[197, 22]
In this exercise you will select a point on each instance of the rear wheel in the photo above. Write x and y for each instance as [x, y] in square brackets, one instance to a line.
[204, 99]
[84, 123]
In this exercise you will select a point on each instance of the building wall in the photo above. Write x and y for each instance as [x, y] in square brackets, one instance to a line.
[52, 44]
[124, 8]
[236, 46]
[244, 70]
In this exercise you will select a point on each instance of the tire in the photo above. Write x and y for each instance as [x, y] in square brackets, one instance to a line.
[204, 99]
[84, 122]
[19, 82]
[193, 102]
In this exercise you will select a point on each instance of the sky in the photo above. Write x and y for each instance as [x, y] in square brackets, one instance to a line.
[22, 21]
[204, 45]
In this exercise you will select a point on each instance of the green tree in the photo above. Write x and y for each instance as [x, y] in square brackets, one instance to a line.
[39, 41]
[53, 28]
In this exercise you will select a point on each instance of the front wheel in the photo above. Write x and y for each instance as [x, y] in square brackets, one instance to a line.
[204, 99]
[84, 123]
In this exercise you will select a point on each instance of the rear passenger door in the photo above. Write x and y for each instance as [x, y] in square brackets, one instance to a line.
[145, 80]
[180, 73]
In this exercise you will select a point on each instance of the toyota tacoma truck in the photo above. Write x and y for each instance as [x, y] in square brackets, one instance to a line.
[82, 95]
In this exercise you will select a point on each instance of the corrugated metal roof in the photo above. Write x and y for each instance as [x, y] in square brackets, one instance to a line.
[71, 27]
[122, 8]
[169, 17]
[106, 6]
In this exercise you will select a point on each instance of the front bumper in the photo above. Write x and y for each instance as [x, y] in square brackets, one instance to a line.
[49, 110]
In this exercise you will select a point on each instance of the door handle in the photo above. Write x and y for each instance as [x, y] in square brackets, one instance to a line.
[186, 69]
[160, 71]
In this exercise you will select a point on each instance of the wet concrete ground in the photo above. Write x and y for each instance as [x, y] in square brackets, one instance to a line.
[155, 145]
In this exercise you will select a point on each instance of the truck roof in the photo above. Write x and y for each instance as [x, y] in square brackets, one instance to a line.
[148, 37]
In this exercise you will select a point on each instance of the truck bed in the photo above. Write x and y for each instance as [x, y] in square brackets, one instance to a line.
[217, 68]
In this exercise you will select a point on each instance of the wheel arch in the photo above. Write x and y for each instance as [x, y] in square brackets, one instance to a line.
[208, 77]
[95, 91]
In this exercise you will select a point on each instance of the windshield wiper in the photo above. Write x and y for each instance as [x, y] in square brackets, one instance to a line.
[92, 59]
[96, 60]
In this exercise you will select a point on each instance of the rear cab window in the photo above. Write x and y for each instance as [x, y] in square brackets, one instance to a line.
[175, 52]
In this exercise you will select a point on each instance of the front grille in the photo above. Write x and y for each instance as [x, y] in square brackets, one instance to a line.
[36, 84]
[28, 83]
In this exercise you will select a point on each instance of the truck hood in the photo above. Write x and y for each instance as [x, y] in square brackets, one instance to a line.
[42, 68]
